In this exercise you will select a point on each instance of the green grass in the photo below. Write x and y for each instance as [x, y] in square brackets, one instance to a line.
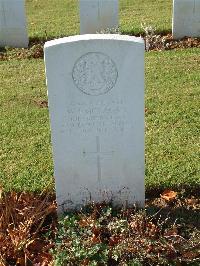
[172, 122]
[61, 18]
[172, 128]
[53, 19]
[156, 13]
[172, 119]
[172, 97]
[25, 136]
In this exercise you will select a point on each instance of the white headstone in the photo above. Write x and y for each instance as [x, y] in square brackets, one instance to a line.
[13, 30]
[186, 18]
[98, 15]
[96, 104]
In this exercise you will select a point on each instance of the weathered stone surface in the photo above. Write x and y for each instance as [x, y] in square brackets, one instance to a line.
[186, 18]
[13, 30]
[96, 103]
[98, 15]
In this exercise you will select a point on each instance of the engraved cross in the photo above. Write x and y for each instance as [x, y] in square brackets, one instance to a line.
[99, 155]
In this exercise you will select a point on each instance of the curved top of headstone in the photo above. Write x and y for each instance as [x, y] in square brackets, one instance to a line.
[88, 37]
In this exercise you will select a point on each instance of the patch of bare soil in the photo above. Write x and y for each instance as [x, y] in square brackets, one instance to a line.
[35, 50]
[41, 103]
[166, 42]
[168, 230]
[153, 42]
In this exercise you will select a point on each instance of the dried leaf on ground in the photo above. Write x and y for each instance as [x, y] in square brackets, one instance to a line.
[169, 195]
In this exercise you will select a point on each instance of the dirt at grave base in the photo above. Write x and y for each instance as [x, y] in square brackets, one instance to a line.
[166, 42]
[153, 43]
[27, 218]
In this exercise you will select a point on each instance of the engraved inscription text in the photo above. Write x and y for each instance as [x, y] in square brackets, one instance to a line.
[96, 118]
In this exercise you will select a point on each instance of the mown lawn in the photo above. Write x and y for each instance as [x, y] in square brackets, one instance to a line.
[172, 118]
[172, 122]
[57, 18]
[25, 135]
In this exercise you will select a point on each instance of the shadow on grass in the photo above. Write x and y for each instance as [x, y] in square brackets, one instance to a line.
[186, 190]
[161, 42]
[143, 34]
[185, 208]
[42, 40]
[183, 212]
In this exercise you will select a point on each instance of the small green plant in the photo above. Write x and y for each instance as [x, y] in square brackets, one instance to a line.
[76, 244]
[103, 236]
[152, 40]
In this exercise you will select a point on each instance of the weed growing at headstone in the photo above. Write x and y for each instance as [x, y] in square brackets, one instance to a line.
[152, 40]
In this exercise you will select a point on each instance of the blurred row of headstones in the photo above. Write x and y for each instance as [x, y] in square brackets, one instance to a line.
[95, 16]
[186, 18]
[13, 27]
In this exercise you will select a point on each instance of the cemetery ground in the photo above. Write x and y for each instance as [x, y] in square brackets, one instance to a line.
[167, 232]
[172, 97]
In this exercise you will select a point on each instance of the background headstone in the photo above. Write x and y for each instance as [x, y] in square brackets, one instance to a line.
[97, 15]
[13, 30]
[186, 18]
[96, 103]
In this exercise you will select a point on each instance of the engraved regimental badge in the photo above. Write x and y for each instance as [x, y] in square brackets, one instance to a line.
[95, 73]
